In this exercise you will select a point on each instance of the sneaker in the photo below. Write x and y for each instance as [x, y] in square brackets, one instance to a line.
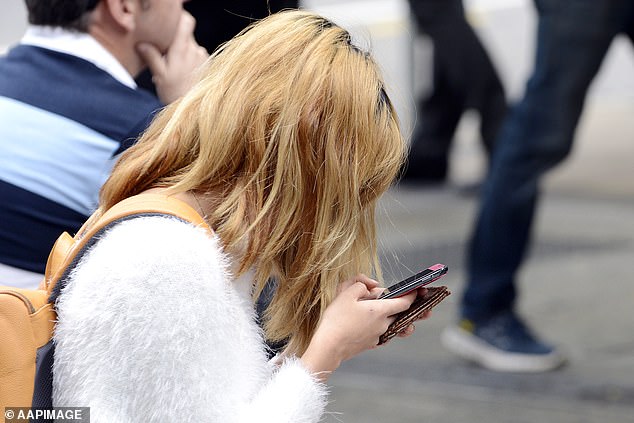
[503, 344]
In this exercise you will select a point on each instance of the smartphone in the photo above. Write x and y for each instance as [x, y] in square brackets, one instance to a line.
[422, 278]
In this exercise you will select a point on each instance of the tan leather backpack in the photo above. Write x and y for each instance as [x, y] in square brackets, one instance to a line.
[27, 316]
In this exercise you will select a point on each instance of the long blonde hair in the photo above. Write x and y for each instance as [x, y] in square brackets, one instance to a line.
[291, 128]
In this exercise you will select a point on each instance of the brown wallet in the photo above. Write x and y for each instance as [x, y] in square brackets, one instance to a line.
[434, 295]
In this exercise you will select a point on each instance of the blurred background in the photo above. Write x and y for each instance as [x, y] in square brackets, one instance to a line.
[577, 285]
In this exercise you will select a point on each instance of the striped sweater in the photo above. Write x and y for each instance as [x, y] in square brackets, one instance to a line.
[62, 122]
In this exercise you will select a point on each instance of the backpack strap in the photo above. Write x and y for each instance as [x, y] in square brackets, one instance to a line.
[67, 251]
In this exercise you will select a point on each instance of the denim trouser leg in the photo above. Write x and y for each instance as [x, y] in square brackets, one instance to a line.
[572, 39]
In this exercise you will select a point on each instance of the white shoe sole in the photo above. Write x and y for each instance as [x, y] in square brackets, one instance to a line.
[470, 347]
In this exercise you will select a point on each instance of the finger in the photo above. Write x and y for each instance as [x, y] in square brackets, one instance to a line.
[370, 283]
[345, 285]
[202, 53]
[153, 58]
[396, 305]
[376, 292]
[425, 315]
[358, 291]
[410, 329]
[184, 33]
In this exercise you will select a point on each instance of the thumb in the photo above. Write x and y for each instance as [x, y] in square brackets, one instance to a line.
[152, 57]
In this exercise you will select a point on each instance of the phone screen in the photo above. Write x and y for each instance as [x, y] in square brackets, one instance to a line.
[422, 278]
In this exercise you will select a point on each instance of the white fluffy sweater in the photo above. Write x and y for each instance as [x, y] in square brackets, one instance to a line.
[152, 328]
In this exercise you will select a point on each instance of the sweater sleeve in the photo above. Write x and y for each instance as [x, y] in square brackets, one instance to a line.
[151, 328]
[297, 397]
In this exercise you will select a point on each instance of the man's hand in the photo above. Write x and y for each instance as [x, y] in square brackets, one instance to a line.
[174, 72]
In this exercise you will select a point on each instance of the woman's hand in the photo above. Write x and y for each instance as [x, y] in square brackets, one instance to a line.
[351, 324]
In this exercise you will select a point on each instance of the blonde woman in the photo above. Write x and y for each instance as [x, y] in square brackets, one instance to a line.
[284, 146]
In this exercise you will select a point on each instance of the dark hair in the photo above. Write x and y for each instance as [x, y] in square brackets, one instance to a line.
[71, 14]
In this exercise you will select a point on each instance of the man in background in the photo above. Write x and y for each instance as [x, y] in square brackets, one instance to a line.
[464, 78]
[219, 21]
[572, 40]
[69, 105]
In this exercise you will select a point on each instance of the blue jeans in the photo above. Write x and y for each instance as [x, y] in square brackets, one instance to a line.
[572, 39]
